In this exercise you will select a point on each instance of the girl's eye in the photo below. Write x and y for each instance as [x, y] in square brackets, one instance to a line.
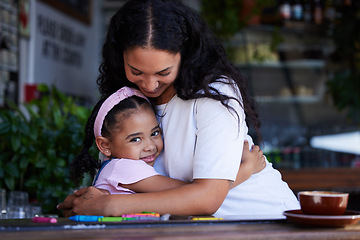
[137, 139]
[156, 133]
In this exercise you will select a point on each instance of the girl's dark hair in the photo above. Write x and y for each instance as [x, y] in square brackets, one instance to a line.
[171, 26]
[84, 162]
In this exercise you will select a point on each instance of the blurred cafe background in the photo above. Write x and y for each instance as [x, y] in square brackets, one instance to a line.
[301, 58]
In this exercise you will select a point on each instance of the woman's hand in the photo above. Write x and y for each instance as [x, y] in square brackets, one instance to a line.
[252, 161]
[85, 201]
[67, 205]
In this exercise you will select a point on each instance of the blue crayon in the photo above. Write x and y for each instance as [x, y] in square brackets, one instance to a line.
[85, 218]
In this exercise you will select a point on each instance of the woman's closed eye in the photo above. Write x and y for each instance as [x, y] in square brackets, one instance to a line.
[164, 74]
[136, 73]
[160, 74]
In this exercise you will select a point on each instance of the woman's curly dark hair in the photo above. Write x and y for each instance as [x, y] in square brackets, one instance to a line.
[171, 26]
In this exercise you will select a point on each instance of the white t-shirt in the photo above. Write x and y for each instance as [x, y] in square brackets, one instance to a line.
[204, 140]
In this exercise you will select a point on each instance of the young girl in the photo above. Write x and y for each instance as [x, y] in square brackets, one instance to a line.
[126, 131]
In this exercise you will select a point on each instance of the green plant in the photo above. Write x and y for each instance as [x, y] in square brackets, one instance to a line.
[38, 140]
[344, 86]
[228, 17]
[224, 17]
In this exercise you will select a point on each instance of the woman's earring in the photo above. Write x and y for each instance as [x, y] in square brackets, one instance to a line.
[107, 152]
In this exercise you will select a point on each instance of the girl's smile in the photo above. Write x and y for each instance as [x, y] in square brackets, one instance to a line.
[149, 159]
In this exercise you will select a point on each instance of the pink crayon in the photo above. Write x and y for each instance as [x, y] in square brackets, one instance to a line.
[44, 220]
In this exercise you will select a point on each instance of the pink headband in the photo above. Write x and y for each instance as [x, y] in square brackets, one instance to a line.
[110, 102]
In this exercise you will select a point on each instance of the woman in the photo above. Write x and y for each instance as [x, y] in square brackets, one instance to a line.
[165, 49]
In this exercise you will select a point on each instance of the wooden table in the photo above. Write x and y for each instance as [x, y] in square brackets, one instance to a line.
[341, 179]
[277, 229]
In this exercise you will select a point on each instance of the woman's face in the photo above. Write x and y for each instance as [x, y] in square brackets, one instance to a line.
[153, 71]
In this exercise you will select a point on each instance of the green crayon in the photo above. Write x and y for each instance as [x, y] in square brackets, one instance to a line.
[115, 219]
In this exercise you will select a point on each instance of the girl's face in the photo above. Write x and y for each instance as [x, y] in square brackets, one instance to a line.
[138, 138]
[153, 71]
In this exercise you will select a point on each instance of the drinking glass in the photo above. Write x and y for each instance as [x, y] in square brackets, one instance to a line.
[2, 203]
[35, 210]
[18, 205]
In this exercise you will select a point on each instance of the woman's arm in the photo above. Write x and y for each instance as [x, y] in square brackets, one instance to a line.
[155, 183]
[204, 195]
[92, 201]
[201, 197]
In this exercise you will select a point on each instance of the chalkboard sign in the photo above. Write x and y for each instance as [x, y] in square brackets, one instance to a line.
[78, 9]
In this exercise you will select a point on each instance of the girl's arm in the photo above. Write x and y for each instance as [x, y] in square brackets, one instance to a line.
[252, 161]
[154, 184]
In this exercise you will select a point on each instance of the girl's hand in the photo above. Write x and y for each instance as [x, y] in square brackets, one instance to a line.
[254, 158]
[252, 161]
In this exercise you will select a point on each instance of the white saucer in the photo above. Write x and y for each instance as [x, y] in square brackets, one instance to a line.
[349, 217]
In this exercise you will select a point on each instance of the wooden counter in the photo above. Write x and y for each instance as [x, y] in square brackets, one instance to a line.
[343, 179]
[304, 179]
[278, 229]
